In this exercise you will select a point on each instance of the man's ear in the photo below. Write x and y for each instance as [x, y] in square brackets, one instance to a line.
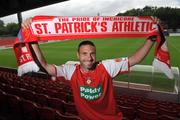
[77, 54]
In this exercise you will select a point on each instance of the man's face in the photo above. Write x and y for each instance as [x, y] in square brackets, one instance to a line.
[87, 56]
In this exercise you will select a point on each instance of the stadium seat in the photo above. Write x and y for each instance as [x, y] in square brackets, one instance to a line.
[28, 95]
[128, 112]
[50, 93]
[31, 87]
[148, 107]
[17, 91]
[29, 109]
[40, 90]
[70, 109]
[16, 83]
[70, 98]
[3, 87]
[46, 113]
[24, 85]
[3, 103]
[150, 102]
[41, 99]
[169, 112]
[57, 104]
[14, 108]
[9, 89]
[166, 117]
[62, 96]
[143, 115]
[59, 116]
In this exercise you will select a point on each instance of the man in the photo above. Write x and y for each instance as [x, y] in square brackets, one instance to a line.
[91, 81]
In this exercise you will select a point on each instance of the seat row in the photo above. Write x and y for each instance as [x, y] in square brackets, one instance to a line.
[43, 99]
[14, 80]
[134, 107]
[14, 107]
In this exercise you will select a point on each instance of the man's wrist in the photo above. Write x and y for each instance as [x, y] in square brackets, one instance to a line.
[152, 38]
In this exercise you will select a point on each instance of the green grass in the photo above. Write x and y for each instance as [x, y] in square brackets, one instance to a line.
[60, 52]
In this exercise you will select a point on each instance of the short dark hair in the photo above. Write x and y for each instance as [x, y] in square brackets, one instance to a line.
[85, 42]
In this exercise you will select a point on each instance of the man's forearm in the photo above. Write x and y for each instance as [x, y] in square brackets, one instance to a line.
[140, 54]
[49, 68]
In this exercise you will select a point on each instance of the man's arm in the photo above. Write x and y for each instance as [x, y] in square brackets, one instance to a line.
[140, 54]
[48, 67]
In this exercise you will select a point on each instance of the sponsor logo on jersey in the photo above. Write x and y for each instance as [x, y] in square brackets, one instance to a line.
[90, 93]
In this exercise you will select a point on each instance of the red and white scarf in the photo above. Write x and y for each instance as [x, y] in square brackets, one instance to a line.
[62, 28]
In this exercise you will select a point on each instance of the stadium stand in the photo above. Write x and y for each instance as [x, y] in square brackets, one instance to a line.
[36, 97]
[6, 42]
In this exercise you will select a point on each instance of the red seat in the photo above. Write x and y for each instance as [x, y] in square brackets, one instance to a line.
[28, 95]
[9, 89]
[15, 111]
[56, 104]
[46, 113]
[166, 117]
[41, 99]
[31, 87]
[163, 111]
[128, 112]
[17, 91]
[70, 108]
[3, 103]
[29, 110]
[70, 98]
[50, 93]
[40, 90]
[3, 87]
[148, 107]
[59, 116]
[62, 96]
[143, 115]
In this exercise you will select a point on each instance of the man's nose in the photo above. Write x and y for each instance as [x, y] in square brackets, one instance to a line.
[90, 57]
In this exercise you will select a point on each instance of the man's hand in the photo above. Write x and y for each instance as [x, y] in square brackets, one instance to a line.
[26, 23]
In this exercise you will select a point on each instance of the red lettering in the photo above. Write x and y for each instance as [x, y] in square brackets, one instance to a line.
[86, 24]
[142, 26]
[77, 27]
[93, 27]
[103, 26]
[41, 28]
[70, 26]
[137, 26]
[38, 28]
[44, 25]
[127, 26]
[115, 27]
[64, 28]
[120, 26]
[57, 27]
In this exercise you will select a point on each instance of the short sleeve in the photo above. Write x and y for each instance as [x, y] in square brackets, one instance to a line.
[116, 66]
[65, 71]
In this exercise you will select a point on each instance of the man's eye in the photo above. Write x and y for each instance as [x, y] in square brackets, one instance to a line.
[93, 53]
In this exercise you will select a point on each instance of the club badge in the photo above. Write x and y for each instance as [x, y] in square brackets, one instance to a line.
[88, 80]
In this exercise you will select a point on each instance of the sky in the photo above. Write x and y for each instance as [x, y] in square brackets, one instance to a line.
[92, 8]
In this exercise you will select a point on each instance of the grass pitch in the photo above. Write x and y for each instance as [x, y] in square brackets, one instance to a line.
[61, 51]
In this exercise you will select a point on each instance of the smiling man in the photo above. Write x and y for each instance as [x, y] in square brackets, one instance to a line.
[91, 80]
